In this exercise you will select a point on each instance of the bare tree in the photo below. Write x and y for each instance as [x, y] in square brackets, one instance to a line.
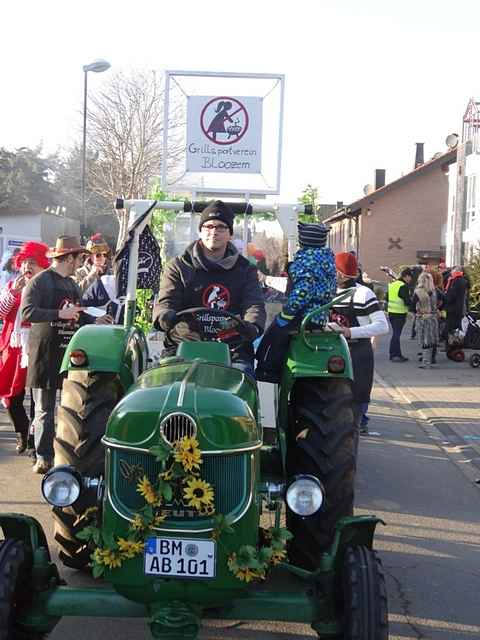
[125, 137]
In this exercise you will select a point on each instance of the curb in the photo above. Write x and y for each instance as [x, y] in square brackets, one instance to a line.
[465, 456]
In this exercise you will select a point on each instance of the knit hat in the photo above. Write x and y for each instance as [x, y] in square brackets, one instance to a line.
[312, 235]
[347, 264]
[97, 244]
[36, 251]
[217, 210]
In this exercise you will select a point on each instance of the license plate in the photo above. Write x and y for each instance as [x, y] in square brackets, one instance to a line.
[177, 557]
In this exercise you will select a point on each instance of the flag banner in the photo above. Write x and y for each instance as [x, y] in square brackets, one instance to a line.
[149, 263]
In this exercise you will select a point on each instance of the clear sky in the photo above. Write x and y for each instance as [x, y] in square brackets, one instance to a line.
[365, 79]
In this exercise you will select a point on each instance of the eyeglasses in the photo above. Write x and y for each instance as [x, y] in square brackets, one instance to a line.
[215, 227]
[103, 255]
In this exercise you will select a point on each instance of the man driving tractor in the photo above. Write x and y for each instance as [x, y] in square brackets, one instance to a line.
[214, 275]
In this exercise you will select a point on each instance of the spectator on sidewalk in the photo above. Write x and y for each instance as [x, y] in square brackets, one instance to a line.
[426, 310]
[8, 271]
[360, 319]
[51, 304]
[455, 299]
[398, 304]
[96, 263]
[30, 260]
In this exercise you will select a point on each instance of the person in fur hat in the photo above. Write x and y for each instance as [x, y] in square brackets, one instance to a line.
[13, 339]
[96, 263]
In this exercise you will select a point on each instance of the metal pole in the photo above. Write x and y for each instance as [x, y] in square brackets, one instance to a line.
[84, 151]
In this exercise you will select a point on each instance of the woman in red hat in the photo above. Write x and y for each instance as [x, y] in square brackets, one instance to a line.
[359, 319]
[13, 339]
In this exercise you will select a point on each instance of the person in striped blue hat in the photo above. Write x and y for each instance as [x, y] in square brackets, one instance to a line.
[312, 274]
[313, 283]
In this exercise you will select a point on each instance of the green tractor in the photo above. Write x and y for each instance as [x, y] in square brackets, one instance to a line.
[163, 485]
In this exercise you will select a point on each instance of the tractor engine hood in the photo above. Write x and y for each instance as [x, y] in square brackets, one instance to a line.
[219, 401]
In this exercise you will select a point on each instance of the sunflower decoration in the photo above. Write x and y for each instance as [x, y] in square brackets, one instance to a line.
[158, 519]
[245, 564]
[188, 454]
[129, 548]
[198, 493]
[145, 488]
[138, 523]
[277, 557]
[107, 557]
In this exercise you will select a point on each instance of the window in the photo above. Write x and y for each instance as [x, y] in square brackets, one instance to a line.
[471, 200]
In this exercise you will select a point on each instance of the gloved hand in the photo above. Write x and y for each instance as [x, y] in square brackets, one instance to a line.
[248, 331]
[167, 320]
[184, 331]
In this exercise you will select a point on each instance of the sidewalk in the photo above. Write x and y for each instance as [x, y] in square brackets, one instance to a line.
[445, 399]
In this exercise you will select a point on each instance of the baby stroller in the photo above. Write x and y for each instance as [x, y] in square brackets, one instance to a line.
[466, 338]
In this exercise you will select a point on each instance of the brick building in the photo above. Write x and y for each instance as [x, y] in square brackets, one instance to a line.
[403, 222]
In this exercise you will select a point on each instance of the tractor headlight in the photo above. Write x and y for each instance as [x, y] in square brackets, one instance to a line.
[305, 495]
[61, 486]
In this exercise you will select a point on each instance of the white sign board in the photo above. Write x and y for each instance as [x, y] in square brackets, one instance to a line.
[224, 134]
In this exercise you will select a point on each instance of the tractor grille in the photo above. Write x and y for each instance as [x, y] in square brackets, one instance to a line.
[177, 426]
[228, 474]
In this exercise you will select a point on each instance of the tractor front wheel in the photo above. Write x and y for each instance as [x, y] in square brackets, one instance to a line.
[364, 596]
[322, 442]
[87, 401]
[14, 590]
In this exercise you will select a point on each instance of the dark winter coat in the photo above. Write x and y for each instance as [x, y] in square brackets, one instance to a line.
[192, 280]
[44, 296]
[455, 302]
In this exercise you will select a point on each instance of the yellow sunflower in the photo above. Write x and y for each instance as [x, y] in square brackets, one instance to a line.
[111, 559]
[145, 488]
[198, 493]
[97, 556]
[278, 556]
[129, 548]
[243, 573]
[188, 454]
[158, 519]
[137, 523]
[107, 557]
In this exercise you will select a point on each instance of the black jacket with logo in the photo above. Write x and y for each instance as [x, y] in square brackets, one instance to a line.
[192, 280]
[44, 296]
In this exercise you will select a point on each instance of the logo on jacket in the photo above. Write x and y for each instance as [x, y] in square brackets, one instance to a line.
[216, 296]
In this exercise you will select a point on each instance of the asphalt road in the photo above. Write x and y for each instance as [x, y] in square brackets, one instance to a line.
[430, 546]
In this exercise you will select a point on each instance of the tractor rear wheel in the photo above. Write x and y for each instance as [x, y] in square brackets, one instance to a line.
[87, 401]
[364, 596]
[322, 442]
[15, 591]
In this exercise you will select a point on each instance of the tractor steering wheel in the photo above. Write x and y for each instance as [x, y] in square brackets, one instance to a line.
[219, 329]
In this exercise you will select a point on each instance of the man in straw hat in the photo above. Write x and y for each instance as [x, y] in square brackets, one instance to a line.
[51, 303]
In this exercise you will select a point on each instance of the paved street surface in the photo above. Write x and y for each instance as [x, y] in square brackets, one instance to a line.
[417, 471]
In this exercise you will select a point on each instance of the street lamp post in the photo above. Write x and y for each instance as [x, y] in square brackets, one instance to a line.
[97, 66]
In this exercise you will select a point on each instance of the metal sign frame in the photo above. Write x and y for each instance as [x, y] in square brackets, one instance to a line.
[237, 191]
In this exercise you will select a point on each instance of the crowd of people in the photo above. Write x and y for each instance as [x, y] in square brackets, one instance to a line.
[438, 299]
[42, 304]
[48, 293]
